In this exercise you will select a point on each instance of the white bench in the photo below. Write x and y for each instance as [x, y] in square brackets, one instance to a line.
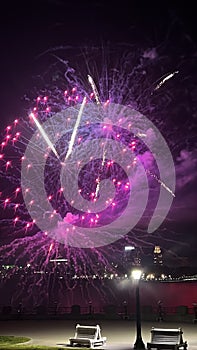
[87, 336]
[162, 338]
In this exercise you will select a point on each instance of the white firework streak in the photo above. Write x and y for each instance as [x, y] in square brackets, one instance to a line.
[94, 89]
[161, 182]
[74, 133]
[98, 184]
[97, 189]
[44, 135]
[96, 94]
[169, 76]
[140, 134]
[103, 160]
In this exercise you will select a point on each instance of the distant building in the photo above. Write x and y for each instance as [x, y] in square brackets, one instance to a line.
[131, 257]
[137, 258]
[157, 256]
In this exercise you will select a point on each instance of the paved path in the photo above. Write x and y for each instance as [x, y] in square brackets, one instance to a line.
[120, 334]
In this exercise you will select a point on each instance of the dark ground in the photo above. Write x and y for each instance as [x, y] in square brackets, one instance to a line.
[120, 334]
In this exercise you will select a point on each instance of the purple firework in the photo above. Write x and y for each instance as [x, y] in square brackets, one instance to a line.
[92, 139]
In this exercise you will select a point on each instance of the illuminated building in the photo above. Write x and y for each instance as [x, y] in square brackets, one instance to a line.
[158, 258]
[131, 257]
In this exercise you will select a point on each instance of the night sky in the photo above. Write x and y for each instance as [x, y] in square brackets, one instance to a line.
[29, 29]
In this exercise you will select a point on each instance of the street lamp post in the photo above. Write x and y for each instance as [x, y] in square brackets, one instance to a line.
[90, 307]
[139, 344]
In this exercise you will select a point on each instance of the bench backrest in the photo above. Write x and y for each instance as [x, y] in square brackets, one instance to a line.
[90, 332]
[161, 335]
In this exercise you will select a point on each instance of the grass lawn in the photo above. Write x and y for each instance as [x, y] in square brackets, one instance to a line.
[11, 342]
[37, 347]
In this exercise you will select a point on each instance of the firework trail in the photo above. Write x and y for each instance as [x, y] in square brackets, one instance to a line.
[73, 136]
[94, 89]
[44, 135]
[169, 76]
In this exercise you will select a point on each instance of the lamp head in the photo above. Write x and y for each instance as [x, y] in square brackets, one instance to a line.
[136, 274]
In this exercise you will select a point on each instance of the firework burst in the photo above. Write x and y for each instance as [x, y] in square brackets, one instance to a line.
[73, 170]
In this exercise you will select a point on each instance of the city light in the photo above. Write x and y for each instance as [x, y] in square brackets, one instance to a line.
[136, 274]
[129, 248]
